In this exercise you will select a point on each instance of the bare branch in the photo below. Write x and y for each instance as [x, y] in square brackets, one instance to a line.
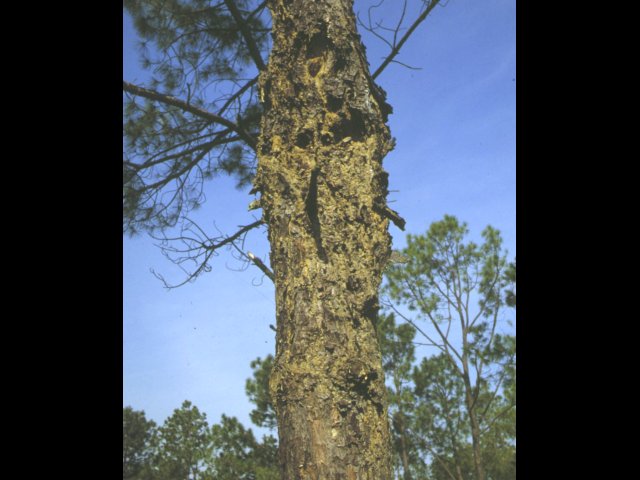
[406, 65]
[404, 38]
[391, 215]
[199, 112]
[200, 248]
[399, 25]
[372, 29]
[256, 261]
[235, 236]
[260, 264]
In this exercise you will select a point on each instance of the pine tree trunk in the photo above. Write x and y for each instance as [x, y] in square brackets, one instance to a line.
[404, 448]
[477, 454]
[323, 197]
[471, 411]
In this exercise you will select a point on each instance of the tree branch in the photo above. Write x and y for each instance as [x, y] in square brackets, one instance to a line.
[206, 146]
[235, 236]
[198, 112]
[417, 294]
[440, 461]
[399, 45]
[391, 215]
[494, 394]
[246, 34]
[405, 65]
[152, 160]
[258, 9]
[490, 424]
[204, 246]
[260, 264]
[237, 94]
[177, 174]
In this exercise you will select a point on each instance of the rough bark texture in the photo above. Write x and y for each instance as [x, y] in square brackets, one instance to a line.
[324, 199]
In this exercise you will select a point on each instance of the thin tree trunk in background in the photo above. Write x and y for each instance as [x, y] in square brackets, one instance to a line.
[404, 448]
[323, 191]
[477, 454]
[471, 411]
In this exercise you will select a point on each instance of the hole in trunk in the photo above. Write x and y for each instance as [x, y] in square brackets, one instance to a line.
[314, 68]
[304, 139]
[353, 127]
[317, 45]
[334, 103]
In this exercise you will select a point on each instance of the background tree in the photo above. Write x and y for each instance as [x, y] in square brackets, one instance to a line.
[441, 419]
[237, 454]
[327, 218]
[459, 289]
[257, 389]
[182, 446]
[137, 433]
[396, 345]
[510, 277]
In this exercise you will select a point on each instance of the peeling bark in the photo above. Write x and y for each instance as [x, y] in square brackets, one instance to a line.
[323, 194]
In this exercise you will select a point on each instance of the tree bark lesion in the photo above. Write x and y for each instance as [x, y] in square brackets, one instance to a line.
[311, 208]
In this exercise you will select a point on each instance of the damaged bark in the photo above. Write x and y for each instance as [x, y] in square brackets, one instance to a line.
[323, 195]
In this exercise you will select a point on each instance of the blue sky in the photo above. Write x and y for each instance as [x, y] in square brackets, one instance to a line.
[454, 121]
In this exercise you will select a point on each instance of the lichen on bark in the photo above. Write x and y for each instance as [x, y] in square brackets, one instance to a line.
[323, 194]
